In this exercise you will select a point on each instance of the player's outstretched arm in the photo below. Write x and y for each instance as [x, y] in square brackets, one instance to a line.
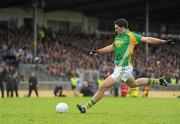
[106, 49]
[153, 40]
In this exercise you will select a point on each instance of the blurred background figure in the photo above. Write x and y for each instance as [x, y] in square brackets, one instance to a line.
[115, 90]
[134, 92]
[86, 90]
[78, 86]
[173, 80]
[2, 79]
[74, 81]
[100, 81]
[145, 91]
[17, 79]
[10, 81]
[123, 89]
[33, 84]
[58, 91]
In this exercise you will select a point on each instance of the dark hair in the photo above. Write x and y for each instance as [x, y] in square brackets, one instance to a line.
[121, 22]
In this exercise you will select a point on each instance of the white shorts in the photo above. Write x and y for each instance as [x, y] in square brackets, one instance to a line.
[121, 73]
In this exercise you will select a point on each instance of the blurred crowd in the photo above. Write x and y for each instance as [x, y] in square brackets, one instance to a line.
[61, 53]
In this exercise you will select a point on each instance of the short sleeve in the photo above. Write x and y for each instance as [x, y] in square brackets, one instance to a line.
[138, 37]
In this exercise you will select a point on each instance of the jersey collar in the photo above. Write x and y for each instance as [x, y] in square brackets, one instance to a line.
[125, 32]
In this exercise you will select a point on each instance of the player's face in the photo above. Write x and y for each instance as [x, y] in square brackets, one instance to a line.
[118, 29]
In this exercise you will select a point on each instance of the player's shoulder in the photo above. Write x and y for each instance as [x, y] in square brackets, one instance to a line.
[136, 37]
[136, 33]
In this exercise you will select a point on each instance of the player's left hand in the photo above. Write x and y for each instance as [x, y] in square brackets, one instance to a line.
[169, 42]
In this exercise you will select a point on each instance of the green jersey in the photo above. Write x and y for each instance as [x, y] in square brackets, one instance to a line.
[124, 47]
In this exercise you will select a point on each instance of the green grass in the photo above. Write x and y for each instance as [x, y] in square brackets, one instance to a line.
[107, 111]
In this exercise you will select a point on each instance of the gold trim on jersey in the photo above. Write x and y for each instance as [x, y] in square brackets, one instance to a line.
[129, 50]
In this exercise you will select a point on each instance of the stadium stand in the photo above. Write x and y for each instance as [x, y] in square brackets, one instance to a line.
[62, 54]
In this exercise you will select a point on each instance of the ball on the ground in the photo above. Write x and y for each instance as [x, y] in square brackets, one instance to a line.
[62, 107]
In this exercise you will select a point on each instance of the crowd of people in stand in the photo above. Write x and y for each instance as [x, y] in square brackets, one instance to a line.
[61, 53]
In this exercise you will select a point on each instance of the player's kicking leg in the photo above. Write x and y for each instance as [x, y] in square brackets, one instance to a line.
[107, 83]
[145, 81]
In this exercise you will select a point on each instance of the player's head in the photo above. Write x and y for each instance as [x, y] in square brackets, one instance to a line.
[120, 24]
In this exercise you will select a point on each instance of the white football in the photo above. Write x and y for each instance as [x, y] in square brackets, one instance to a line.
[62, 107]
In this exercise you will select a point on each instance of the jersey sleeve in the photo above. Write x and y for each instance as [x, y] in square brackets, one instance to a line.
[114, 42]
[138, 38]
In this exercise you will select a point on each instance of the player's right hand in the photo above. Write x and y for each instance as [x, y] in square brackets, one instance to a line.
[93, 53]
[169, 42]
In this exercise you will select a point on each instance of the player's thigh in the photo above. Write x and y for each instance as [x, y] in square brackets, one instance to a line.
[131, 81]
[108, 82]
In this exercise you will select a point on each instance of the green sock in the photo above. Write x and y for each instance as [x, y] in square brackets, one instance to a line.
[152, 81]
[90, 103]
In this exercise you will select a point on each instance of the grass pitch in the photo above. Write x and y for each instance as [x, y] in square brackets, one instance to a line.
[108, 111]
